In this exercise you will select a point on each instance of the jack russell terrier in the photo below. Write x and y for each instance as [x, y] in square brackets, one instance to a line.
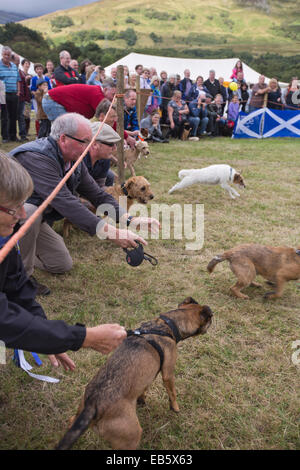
[213, 174]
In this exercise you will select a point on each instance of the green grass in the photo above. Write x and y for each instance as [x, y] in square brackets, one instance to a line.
[224, 25]
[237, 387]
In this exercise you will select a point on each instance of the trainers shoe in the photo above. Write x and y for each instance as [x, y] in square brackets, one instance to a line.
[40, 288]
[194, 139]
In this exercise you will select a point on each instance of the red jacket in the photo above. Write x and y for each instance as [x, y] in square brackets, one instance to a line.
[82, 99]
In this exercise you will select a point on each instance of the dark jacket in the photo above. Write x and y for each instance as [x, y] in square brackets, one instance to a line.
[213, 88]
[183, 87]
[44, 162]
[100, 169]
[23, 323]
[66, 76]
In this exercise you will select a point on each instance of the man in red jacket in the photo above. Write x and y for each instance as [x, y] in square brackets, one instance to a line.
[64, 74]
[81, 99]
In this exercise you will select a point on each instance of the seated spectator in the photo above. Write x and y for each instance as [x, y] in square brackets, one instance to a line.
[177, 81]
[48, 160]
[131, 124]
[274, 95]
[84, 64]
[212, 84]
[237, 68]
[258, 93]
[151, 123]
[155, 98]
[167, 91]
[23, 322]
[41, 116]
[198, 109]
[82, 99]
[185, 85]
[197, 88]
[178, 114]
[243, 95]
[215, 115]
[64, 74]
[233, 108]
[97, 160]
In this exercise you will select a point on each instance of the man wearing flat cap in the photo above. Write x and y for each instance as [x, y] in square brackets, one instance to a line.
[47, 160]
[98, 158]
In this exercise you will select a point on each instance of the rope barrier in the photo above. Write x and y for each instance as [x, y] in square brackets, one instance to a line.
[23, 229]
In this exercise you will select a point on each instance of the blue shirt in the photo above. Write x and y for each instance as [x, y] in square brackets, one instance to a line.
[10, 76]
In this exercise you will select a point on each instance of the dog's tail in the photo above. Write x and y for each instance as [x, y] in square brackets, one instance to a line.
[80, 425]
[217, 259]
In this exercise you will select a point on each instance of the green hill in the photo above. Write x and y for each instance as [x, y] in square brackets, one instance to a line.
[255, 26]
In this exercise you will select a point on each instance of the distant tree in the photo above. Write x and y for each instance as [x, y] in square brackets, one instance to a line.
[61, 22]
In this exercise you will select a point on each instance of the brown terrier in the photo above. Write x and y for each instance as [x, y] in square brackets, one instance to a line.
[135, 188]
[131, 155]
[110, 398]
[276, 264]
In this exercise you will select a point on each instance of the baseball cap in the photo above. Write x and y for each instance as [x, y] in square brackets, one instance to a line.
[107, 134]
[40, 81]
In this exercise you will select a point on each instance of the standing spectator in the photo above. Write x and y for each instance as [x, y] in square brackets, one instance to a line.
[167, 91]
[212, 84]
[113, 74]
[258, 92]
[131, 124]
[145, 79]
[274, 95]
[197, 88]
[155, 99]
[178, 114]
[74, 65]
[39, 70]
[64, 74]
[49, 72]
[139, 69]
[186, 84]
[223, 91]
[24, 95]
[9, 74]
[41, 116]
[84, 64]
[153, 72]
[237, 68]
[163, 78]
[177, 81]
[27, 106]
[93, 75]
[132, 80]
[243, 95]
[198, 110]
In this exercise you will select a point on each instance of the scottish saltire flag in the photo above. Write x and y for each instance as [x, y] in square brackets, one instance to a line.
[266, 122]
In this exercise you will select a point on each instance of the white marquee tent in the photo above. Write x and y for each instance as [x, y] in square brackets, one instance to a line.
[222, 67]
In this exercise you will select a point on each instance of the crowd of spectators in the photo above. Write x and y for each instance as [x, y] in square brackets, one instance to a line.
[207, 107]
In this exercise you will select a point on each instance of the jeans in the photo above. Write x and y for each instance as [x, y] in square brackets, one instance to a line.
[203, 125]
[194, 122]
[51, 108]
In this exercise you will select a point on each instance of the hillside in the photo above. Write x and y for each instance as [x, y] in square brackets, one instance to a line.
[254, 26]
[7, 17]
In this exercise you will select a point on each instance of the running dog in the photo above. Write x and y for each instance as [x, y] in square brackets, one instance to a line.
[224, 175]
[110, 399]
[132, 155]
[278, 265]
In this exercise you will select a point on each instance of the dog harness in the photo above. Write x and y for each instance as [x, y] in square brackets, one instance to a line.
[139, 333]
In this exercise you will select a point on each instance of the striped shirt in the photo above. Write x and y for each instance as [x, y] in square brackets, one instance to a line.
[10, 76]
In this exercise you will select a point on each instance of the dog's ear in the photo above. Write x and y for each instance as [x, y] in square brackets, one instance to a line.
[187, 301]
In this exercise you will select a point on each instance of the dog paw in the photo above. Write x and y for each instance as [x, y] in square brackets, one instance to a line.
[174, 407]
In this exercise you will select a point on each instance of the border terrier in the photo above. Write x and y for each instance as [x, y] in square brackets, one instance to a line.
[132, 155]
[277, 264]
[110, 399]
[135, 188]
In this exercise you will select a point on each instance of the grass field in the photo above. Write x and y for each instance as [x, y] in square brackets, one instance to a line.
[237, 386]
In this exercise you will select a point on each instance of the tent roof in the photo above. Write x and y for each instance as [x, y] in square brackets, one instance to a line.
[222, 67]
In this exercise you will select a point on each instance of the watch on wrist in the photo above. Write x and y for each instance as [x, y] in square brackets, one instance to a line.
[129, 220]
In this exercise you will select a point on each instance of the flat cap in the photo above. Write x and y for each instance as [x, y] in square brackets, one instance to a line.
[107, 134]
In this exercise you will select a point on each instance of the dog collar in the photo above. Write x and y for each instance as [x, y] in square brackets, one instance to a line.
[125, 192]
[171, 324]
[298, 252]
[230, 175]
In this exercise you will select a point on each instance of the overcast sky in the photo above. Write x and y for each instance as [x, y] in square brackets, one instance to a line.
[38, 8]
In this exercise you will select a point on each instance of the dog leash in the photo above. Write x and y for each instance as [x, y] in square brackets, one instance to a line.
[137, 255]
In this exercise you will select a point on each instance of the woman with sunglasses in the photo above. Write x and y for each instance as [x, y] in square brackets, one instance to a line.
[23, 323]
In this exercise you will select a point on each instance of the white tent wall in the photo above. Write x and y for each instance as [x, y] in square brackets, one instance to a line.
[31, 69]
[222, 67]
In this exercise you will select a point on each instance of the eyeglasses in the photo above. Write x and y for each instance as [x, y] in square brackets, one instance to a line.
[85, 142]
[12, 212]
[110, 144]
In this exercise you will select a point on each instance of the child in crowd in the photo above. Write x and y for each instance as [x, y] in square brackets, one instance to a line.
[233, 108]
[44, 123]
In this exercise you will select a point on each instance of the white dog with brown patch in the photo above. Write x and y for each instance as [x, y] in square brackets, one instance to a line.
[213, 174]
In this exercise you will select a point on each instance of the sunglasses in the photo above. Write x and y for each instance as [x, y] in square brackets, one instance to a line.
[85, 142]
[11, 212]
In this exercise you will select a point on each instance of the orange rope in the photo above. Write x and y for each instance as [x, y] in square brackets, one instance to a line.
[23, 229]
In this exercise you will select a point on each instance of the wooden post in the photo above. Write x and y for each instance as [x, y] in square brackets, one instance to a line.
[120, 122]
[138, 97]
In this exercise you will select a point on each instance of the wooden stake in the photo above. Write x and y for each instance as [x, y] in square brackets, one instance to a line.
[120, 122]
